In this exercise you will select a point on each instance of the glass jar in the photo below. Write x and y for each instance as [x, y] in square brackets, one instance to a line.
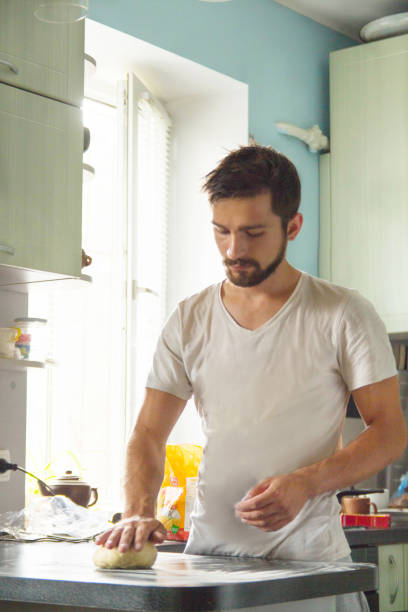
[32, 341]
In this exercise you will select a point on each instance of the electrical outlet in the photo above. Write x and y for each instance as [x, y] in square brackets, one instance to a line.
[5, 454]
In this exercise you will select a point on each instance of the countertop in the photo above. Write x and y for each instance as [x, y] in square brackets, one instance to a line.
[376, 537]
[63, 574]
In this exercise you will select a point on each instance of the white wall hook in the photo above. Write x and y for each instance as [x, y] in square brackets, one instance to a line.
[313, 137]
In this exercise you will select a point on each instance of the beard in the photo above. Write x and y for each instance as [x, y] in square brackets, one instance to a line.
[254, 275]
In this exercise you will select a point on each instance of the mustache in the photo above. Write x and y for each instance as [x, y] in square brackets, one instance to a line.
[240, 262]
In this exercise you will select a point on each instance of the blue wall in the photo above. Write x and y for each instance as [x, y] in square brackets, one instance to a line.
[283, 56]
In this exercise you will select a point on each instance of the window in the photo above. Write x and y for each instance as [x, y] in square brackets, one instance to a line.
[81, 411]
[148, 152]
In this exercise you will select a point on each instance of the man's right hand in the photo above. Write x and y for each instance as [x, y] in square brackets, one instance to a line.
[145, 459]
[133, 531]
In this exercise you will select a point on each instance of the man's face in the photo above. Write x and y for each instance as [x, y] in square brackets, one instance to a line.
[249, 237]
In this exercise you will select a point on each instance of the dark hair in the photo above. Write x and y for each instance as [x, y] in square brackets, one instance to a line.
[252, 170]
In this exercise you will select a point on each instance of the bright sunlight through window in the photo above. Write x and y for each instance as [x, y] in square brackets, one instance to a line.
[102, 335]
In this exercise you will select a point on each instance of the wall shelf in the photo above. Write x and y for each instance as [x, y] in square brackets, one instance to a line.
[16, 365]
[24, 280]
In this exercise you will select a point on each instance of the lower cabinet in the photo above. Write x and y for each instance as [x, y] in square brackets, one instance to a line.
[405, 549]
[391, 577]
[392, 562]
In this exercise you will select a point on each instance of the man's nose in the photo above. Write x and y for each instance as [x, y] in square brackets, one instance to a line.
[237, 247]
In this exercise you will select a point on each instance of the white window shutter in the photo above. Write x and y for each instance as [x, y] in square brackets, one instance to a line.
[148, 173]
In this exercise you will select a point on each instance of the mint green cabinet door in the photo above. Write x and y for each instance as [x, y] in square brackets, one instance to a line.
[41, 57]
[325, 229]
[369, 179]
[40, 183]
[405, 551]
[391, 578]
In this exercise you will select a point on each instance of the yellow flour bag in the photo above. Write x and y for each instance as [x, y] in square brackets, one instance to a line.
[176, 496]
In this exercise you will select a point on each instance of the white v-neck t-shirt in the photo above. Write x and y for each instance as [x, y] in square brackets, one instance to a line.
[271, 400]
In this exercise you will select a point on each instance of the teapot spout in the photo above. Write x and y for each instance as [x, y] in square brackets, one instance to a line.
[44, 488]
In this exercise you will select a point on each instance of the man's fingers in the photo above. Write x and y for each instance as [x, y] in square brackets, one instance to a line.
[134, 531]
[126, 538]
[270, 523]
[255, 503]
[269, 517]
[102, 537]
[113, 539]
[254, 515]
[142, 535]
[157, 536]
[265, 517]
[145, 531]
[259, 488]
[254, 492]
[279, 501]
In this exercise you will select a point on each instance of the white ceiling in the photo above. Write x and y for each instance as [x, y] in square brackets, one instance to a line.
[346, 16]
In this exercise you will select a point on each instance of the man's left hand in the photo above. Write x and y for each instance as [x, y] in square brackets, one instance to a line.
[274, 502]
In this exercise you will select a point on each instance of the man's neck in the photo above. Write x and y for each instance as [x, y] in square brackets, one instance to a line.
[279, 285]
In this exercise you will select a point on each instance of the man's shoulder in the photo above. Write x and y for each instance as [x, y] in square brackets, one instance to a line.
[324, 290]
[200, 300]
[324, 285]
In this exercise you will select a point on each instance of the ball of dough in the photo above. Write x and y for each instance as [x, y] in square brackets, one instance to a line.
[112, 558]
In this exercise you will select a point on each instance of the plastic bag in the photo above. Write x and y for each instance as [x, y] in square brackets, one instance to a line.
[49, 516]
[403, 486]
[177, 493]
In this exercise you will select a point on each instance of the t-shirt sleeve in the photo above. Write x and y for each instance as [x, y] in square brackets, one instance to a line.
[365, 353]
[168, 372]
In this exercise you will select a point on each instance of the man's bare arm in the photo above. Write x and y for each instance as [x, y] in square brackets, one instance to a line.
[276, 501]
[145, 457]
[381, 443]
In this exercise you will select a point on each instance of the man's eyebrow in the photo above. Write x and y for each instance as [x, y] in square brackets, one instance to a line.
[242, 227]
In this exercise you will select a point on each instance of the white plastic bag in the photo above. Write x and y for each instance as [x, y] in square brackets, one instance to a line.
[52, 516]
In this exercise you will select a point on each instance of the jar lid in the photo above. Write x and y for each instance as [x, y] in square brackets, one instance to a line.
[32, 320]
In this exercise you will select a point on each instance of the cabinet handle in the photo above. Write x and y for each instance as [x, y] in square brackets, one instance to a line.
[4, 248]
[10, 66]
[393, 564]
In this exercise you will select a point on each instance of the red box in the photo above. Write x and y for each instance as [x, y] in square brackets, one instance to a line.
[376, 521]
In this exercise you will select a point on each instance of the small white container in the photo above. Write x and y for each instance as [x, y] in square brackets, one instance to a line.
[32, 341]
[380, 499]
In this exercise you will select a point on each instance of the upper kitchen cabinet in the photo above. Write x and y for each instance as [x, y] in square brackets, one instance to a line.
[40, 187]
[44, 58]
[364, 179]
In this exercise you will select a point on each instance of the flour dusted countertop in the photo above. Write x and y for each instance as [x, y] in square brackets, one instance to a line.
[63, 574]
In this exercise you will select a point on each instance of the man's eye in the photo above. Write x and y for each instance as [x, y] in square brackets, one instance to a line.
[219, 230]
[255, 235]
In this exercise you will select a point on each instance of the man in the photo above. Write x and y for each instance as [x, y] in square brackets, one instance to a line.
[271, 355]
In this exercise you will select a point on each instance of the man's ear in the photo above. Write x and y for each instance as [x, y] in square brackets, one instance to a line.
[294, 226]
